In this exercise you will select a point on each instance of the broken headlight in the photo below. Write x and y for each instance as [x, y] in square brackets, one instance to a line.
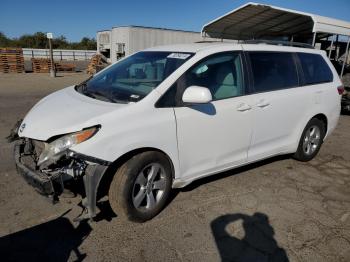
[52, 150]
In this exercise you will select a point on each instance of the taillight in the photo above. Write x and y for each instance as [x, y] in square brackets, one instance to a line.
[340, 89]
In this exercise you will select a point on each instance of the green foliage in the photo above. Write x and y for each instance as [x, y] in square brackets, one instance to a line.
[4, 41]
[39, 40]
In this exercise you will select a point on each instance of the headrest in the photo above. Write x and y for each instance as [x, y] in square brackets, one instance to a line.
[224, 75]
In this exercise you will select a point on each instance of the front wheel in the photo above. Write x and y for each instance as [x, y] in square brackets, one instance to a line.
[311, 140]
[141, 186]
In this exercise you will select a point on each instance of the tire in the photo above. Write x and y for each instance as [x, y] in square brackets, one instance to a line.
[136, 181]
[311, 140]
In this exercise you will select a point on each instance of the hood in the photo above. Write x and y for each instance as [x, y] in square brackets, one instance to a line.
[62, 112]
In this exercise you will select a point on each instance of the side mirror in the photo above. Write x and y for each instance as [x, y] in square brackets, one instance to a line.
[197, 95]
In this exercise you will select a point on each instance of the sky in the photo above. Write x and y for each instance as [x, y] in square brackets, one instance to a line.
[75, 19]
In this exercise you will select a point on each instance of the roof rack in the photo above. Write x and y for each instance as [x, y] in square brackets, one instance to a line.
[274, 42]
[207, 41]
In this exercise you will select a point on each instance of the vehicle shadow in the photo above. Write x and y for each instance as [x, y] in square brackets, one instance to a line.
[232, 172]
[208, 109]
[256, 243]
[106, 213]
[50, 241]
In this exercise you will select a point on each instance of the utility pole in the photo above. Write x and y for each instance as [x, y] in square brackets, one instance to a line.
[314, 39]
[346, 58]
[52, 69]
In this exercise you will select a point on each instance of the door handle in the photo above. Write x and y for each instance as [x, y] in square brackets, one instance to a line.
[263, 103]
[243, 107]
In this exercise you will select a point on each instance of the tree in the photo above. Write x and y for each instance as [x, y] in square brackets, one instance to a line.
[4, 41]
[87, 43]
[60, 43]
[39, 40]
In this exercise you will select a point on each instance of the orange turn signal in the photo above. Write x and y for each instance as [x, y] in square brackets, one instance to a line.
[84, 135]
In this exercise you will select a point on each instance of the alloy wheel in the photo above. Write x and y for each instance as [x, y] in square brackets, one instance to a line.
[149, 187]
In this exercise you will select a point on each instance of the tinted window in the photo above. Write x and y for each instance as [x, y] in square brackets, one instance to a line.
[220, 73]
[273, 71]
[315, 69]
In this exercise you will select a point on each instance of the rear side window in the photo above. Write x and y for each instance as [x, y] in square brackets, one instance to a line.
[315, 69]
[273, 71]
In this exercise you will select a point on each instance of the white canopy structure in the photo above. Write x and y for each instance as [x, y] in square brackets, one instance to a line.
[253, 20]
[259, 21]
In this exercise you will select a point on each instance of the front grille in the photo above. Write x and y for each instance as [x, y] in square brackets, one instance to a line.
[38, 147]
[31, 152]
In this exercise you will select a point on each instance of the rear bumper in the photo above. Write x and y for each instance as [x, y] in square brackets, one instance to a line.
[43, 183]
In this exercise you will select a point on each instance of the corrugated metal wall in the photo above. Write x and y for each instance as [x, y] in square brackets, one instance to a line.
[139, 38]
[120, 35]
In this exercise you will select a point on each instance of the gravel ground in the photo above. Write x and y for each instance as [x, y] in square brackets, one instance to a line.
[275, 210]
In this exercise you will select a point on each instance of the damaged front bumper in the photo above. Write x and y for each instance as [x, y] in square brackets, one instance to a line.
[50, 182]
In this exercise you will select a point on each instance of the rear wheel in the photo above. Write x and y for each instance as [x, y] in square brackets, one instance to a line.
[311, 140]
[141, 186]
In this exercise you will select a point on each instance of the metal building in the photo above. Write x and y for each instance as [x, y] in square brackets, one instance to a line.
[125, 40]
[103, 41]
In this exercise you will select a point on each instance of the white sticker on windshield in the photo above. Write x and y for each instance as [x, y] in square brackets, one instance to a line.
[178, 55]
[134, 96]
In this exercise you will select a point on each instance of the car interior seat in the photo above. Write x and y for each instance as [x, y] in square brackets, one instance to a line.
[226, 83]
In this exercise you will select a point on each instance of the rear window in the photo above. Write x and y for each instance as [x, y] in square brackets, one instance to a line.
[273, 71]
[315, 69]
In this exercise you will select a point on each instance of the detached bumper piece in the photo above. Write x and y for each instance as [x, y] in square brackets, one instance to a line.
[50, 186]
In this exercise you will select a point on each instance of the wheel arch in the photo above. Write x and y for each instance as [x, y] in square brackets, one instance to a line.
[103, 187]
[323, 118]
[301, 126]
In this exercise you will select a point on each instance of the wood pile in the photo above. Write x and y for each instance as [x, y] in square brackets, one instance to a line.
[43, 65]
[95, 64]
[62, 67]
[11, 60]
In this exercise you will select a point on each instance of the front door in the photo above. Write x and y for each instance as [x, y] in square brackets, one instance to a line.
[215, 136]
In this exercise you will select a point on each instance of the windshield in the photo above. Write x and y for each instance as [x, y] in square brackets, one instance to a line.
[133, 78]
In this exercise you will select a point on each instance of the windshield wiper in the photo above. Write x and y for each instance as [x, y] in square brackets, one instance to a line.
[97, 94]
[83, 85]
[94, 94]
[102, 96]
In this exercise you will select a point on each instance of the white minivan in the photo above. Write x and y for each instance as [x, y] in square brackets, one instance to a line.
[164, 117]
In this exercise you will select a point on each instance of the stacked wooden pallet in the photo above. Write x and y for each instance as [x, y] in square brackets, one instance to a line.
[95, 64]
[63, 67]
[41, 65]
[11, 60]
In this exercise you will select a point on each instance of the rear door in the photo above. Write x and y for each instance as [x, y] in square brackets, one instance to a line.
[278, 101]
[318, 78]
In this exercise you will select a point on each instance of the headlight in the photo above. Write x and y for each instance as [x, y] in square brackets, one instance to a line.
[65, 142]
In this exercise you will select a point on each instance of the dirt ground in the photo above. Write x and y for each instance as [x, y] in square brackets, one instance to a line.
[275, 210]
